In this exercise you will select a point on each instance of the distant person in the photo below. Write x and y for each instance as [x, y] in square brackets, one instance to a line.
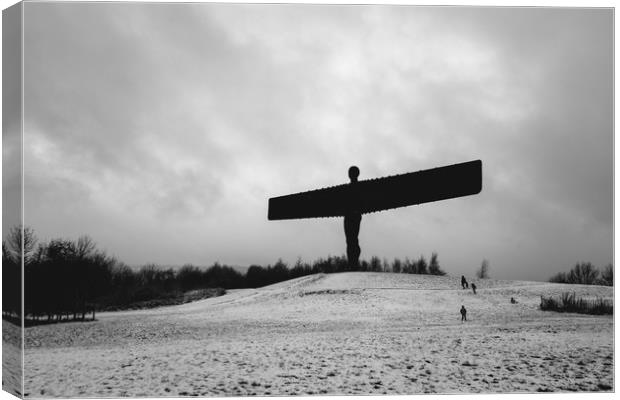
[463, 314]
[513, 301]
[463, 281]
[473, 287]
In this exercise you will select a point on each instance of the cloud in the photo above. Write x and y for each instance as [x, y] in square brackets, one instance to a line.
[157, 119]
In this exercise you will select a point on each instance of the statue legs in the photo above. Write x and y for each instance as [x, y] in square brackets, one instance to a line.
[351, 231]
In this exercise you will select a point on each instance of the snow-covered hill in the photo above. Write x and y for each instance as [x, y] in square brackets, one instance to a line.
[346, 333]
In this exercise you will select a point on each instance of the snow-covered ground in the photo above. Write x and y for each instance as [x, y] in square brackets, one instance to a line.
[346, 333]
[11, 367]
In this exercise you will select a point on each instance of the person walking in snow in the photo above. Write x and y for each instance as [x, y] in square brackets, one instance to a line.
[463, 281]
[473, 287]
[463, 314]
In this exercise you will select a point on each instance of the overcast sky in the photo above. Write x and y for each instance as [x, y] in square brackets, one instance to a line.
[161, 130]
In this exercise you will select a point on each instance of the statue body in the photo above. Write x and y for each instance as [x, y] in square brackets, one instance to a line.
[351, 232]
[352, 221]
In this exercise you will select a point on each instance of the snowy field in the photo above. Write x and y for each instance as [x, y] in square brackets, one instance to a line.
[346, 333]
[11, 365]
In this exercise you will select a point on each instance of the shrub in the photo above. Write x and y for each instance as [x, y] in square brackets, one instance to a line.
[190, 277]
[568, 302]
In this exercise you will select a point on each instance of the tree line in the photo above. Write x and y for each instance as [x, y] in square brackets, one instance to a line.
[585, 273]
[68, 279]
[258, 276]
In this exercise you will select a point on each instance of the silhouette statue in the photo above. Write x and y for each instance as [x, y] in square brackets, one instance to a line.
[352, 220]
[355, 198]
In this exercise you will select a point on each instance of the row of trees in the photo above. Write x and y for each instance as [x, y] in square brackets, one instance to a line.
[65, 278]
[258, 276]
[586, 274]
[70, 278]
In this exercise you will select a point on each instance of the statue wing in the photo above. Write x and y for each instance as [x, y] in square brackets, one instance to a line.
[381, 194]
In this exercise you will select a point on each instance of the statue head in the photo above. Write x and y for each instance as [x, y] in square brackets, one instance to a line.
[354, 172]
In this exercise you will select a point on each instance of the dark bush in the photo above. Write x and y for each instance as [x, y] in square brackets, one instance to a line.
[568, 302]
[190, 277]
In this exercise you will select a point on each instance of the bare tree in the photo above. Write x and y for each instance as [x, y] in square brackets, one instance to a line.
[18, 236]
[583, 273]
[483, 272]
[607, 276]
[84, 247]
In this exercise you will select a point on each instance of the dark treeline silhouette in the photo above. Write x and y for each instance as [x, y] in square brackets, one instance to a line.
[70, 279]
[258, 276]
[12, 258]
[66, 279]
[586, 274]
[11, 284]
